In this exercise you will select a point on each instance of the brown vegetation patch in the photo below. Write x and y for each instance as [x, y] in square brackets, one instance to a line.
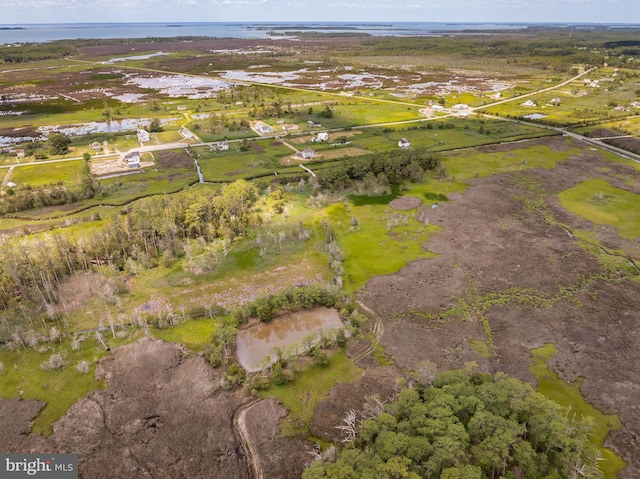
[281, 457]
[405, 203]
[556, 143]
[629, 143]
[343, 152]
[168, 160]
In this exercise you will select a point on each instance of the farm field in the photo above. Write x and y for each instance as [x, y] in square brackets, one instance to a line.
[162, 196]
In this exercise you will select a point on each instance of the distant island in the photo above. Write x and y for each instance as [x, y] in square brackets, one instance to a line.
[12, 28]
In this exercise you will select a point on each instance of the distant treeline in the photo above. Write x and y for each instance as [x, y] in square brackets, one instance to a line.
[555, 48]
[34, 52]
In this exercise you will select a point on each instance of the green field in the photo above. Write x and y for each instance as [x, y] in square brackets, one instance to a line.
[195, 334]
[310, 387]
[69, 173]
[476, 163]
[375, 240]
[600, 202]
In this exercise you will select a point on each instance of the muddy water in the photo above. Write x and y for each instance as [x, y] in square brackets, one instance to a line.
[256, 343]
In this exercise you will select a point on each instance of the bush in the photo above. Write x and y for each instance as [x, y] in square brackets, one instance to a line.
[319, 357]
[83, 367]
[54, 363]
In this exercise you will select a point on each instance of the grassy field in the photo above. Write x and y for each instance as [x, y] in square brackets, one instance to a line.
[195, 334]
[475, 163]
[447, 134]
[375, 241]
[600, 202]
[69, 173]
[234, 164]
[309, 388]
[569, 395]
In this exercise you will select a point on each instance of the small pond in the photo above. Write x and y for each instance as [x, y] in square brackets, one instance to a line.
[255, 344]
[534, 116]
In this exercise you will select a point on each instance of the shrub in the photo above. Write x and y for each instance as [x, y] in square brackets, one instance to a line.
[54, 363]
[83, 366]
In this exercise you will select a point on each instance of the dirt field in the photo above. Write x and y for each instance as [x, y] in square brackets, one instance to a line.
[495, 239]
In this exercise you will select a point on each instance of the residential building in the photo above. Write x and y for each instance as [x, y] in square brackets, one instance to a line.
[307, 154]
[404, 143]
[132, 159]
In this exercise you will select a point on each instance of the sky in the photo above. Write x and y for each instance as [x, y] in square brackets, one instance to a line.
[106, 11]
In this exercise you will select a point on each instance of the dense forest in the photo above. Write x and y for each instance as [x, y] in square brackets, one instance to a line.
[463, 425]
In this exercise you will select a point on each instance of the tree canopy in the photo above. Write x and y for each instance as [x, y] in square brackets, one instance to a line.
[465, 425]
[58, 143]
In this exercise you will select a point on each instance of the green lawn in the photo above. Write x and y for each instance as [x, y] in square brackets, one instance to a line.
[604, 204]
[569, 395]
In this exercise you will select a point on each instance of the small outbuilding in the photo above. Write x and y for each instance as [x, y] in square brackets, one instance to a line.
[323, 136]
[307, 154]
[404, 143]
[132, 159]
[143, 136]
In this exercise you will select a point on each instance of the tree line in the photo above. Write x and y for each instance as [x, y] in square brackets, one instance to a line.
[391, 167]
[34, 51]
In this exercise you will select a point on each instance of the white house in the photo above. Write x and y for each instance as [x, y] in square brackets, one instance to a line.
[289, 127]
[555, 101]
[223, 145]
[460, 106]
[143, 136]
[20, 153]
[404, 143]
[96, 146]
[132, 159]
[307, 154]
[263, 129]
[323, 136]
[530, 103]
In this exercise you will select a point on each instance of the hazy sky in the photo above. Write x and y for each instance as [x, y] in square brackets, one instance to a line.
[97, 11]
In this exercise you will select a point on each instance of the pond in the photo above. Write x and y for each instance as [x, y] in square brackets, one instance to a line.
[534, 116]
[253, 345]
